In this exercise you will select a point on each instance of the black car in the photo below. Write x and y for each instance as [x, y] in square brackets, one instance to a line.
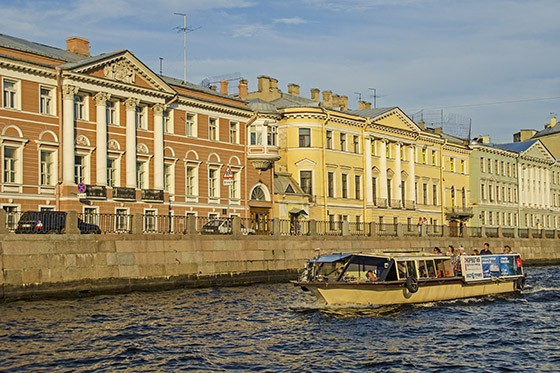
[33, 222]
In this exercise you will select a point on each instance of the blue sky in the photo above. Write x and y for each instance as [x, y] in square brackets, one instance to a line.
[492, 62]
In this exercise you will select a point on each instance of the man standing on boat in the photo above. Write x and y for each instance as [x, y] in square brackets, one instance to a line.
[486, 249]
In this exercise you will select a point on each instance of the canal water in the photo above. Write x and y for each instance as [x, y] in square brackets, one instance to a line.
[278, 328]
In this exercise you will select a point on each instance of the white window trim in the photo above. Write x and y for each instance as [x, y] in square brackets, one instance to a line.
[85, 101]
[194, 124]
[217, 130]
[53, 102]
[155, 222]
[126, 228]
[216, 197]
[171, 165]
[54, 174]
[17, 87]
[170, 128]
[117, 107]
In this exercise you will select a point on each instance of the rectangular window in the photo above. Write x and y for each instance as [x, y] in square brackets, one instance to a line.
[234, 192]
[305, 182]
[191, 181]
[452, 164]
[463, 167]
[212, 183]
[344, 186]
[255, 136]
[388, 150]
[79, 169]
[435, 195]
[91, 215]
[343, 141]
[304, 137]
[482, 164]
[373, 147]
[434, 157]
[140, 118]
[329, 140]
[150, 220]
[168, 121]
[10, 164]
[141, 178]
[424, 156]
[190, 122]
[425, 193]
[79, 107]
[482, 192]
[46, 101]
[111, 112]
[111, 172]
[374, 190]
[168, 178]
[121, 220]
[356, 142]
[47, 167]
[272, 134]
[10, 94]
[330, 184]
[357, 186]
[233, 132]
[212, 129]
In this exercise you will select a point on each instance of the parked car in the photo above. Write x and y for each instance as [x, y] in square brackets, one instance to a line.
[223, 226]
[34, 222]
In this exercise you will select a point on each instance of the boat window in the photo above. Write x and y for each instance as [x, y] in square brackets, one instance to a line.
[426, 268]
[359, 266]
[406, 268]
[443, 267]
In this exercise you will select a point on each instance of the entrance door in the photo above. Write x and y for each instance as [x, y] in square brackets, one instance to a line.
[260, 220]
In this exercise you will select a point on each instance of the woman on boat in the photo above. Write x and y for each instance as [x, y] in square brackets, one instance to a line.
[371, 276]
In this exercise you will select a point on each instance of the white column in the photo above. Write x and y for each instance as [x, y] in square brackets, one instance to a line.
[130, 105]
[398, 176]
[368, 181]
[68, 141]
[158, 146]
[101, 138]
[547, 189]
[412, 173]
[383, 169]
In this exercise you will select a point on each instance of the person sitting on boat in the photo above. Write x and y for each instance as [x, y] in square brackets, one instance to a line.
[507, 249]
[437, 251]
[370, 276]
[486, 249]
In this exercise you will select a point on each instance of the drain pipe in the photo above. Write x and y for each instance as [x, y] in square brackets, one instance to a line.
[323, 161]
[58, 186]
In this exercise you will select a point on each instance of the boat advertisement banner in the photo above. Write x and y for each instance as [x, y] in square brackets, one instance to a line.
[471, 267]
[479, 267]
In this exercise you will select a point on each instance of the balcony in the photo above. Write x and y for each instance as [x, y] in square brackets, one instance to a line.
[458, 212]
[128, 194]
[154, 195]
[381, 202]
[96, 192]
[262, 157]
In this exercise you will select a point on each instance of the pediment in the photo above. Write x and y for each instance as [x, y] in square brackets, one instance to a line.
[305, 162]
[122, 67]
[538, 150]
[396, 119]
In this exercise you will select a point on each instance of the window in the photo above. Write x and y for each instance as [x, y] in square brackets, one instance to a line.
[272, 134]
[374, 190]
[329, 140]
[233, 132]
[330, 184]
[79, 169]
[356, 144]
[47, 168]
[332, 222]
[141, 175]
[191, 181]
[212, 183]
[11, 164]
[212, 129]
[10, 89]
[305, 182]
[453, 201]
[150, 220]
[304, 137]
[91, 215]
[258, 194]
[190, 122]
[111, 112]
[79, 107]
[168, 184]
[255, 136]
[373, 147]
[482, 164]
[140, 117]
[434, 158]
[46, 101]
[343, 141]
[425, 193]
[12, 216]
[168, 121]
[121, 220]
[452, 164]
[463, 167]
[403, 156]
[496, 167]
[234, 190]
[111, 172]
[357, 186]
[489, 166]
[435, 195]
[344, 186]
[424, 156]
[388, 150]
[482, 192]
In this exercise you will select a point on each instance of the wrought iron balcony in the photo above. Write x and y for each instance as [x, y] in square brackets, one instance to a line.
[124, 193]
[152, 195]
[96, 192]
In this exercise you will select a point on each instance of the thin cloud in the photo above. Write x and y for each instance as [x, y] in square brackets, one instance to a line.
[291, 21]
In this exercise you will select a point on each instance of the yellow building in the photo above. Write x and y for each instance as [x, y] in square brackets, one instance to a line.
[366, 165]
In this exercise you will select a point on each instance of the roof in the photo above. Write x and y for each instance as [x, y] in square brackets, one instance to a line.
[287, 100]
[261, 106]
[195, 87]
[371, 113]
[11, 42]
[284, 180]
[516, 147]
[548, 131]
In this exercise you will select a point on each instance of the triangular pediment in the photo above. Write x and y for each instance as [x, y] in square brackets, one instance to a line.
[538, 150]
[396, 119]
[121, 67]
[305, 162]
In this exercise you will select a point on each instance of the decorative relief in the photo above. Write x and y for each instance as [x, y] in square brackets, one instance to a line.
[101, 98]
[82, 140]
[159, 109]
[131, 103]
[113, 145]
[69, 91]
[120, 71]
[142, 149]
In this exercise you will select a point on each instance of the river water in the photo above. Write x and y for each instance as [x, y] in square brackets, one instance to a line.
[279, 328]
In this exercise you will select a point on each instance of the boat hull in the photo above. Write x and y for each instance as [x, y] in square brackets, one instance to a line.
[382, 294]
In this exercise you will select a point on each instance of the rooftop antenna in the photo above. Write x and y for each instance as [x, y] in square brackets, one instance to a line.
[359, 95]
[161, 66]
[374, 96]
[185, 29]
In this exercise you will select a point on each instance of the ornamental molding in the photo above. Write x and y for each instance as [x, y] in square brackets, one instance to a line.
[121, 71]
[82, 140]
[113, 145]
[142, 149]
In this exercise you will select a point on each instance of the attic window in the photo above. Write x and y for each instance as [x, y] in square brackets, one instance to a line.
[289, 189]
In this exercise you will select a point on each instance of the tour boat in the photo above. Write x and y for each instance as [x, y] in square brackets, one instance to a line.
[397, 278]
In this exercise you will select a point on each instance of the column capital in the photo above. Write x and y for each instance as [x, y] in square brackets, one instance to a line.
[159, 109]
[131, 103]
[102, 97]
[69, 91]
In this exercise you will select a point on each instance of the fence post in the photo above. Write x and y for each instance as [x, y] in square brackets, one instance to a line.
[276, 227]
[399, 230]
[236, 226]
[190, 225]
[543, 233]
[345, 228]
[516, 232]
[71, 224]
[529, 232]
[483, 232]
[445, 231]
[500, 232]
[136, 224]
[3, 227]
[373, 229]
[312, 227]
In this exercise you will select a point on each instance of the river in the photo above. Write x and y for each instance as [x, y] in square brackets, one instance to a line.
[279, 328]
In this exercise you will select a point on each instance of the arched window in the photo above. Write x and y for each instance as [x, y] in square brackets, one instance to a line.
[258, 194]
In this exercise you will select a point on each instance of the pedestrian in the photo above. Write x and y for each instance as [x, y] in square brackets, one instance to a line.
[486, 249]
[420, 226]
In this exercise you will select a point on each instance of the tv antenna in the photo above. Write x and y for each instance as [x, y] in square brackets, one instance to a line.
[359, 95]
[184, 29]
[374, 96]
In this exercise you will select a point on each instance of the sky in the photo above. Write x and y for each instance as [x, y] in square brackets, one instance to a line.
[492, 65]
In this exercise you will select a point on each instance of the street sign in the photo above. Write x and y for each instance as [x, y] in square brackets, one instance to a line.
[82, 196]
[228, 174]
[81, 188]
[228, 182]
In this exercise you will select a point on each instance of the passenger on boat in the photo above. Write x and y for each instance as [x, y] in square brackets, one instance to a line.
[507, 249]
[437, 251]
[486, 249]
[371, 276]
[475, 252]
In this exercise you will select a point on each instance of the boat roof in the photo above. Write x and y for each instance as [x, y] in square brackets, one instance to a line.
[329, 258]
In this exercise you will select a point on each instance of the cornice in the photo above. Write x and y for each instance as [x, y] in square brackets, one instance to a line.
[26, 67]
[215, 106]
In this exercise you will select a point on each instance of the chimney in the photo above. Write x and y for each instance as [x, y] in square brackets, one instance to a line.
[263, 84]
[273, 85]
[552, 122]
[293, 89]
[243, 89]
[344, 103]
[364, 105]
[78, 45]
[213, 87]
[224, 87]
[422, 124]
[327, 98]
[315, 94]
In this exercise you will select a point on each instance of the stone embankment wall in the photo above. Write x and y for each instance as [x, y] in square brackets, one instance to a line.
[74, 264]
